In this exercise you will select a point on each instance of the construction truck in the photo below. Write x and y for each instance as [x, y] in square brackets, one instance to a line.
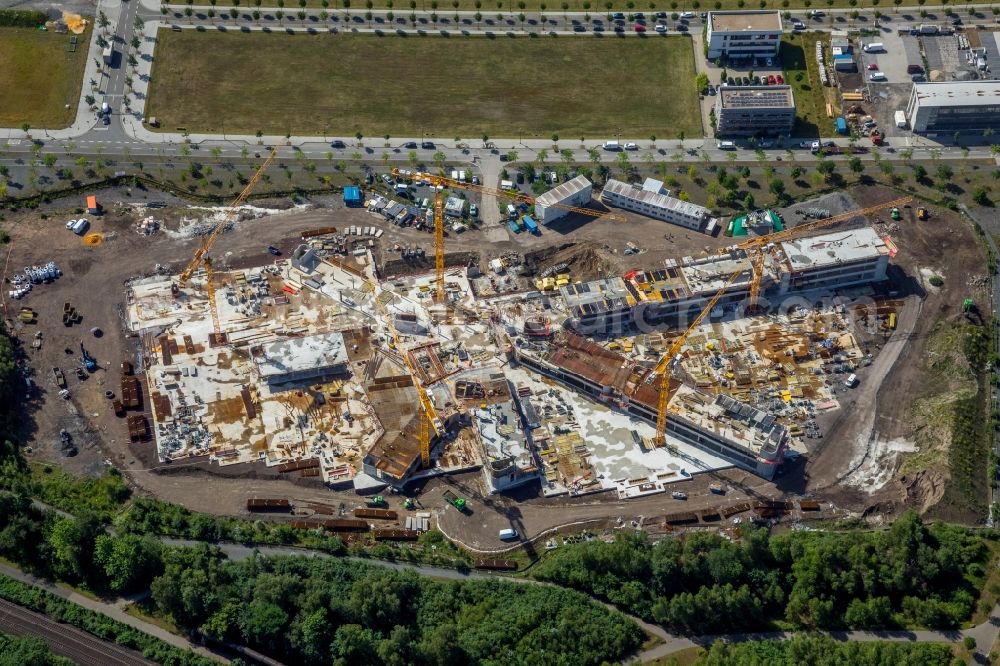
[922, 213]
[454, 500]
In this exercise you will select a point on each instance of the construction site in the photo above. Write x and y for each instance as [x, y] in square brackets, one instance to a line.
[335, 366]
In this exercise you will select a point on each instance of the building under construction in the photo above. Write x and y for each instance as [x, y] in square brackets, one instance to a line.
[679, 291]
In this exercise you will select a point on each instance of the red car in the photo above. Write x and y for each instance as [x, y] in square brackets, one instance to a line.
[771, 80]
[779, 79]
[873, 67]
[640, 27]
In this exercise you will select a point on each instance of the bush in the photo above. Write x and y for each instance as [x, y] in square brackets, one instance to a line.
[969, 642]
[18, 18]
[936, 281]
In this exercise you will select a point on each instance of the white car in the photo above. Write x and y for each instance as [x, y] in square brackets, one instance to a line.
[660, 27]
[687, 15]
[70, 224]
[631, 146]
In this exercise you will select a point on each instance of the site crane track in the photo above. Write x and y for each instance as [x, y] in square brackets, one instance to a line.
[68, 641]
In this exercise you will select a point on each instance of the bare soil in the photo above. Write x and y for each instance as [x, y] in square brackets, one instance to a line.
[946, 245]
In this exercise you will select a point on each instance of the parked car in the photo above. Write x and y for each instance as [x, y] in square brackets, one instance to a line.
[273, 250]
[771, 80]
[661, 15]
[918, 78]
[638, 27]
[639, 16]
[769, 62]
[473, 210]
[631, 146]
[678, 495]
[872, 67]
[617, 16]
[687, 15]
[427, 145]
[779, 79]
[412, 145]
[682, 27]
[914, 69]
[338, 144]
[661, 28]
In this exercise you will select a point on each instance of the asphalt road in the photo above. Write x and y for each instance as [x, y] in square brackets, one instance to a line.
[65, 640]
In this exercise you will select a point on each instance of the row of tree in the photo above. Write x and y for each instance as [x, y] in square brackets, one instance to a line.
[824, 651]
[28, 651]
[909, 575]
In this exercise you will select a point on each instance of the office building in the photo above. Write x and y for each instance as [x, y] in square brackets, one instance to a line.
[754, 111]
[652, 200]
[954, 106]
[742, 35]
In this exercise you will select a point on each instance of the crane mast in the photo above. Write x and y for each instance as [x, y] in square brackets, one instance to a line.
[754, 248]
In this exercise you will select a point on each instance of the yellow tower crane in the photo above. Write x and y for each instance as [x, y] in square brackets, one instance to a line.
[755, 252]
[201, 257]
[440, 182]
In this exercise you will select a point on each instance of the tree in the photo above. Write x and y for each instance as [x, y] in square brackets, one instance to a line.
[439, 158]
[128, 562]
[263, 622]
[944, 172]
[512, 155]
[856, 165]
[777, 188]
[919, 172]
[827, 168]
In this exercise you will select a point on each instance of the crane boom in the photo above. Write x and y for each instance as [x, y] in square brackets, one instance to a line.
[206, 245]
[755, 245]
[516, 196]
[663, 366]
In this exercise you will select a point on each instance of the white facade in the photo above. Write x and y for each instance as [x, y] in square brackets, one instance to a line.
[654, 203]
[954, 106]
[744, 34]
[576, 192]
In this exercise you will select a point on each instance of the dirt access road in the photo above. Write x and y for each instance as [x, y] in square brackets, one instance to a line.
[871, 437]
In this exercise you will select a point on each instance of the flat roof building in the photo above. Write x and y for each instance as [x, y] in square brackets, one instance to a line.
[840, 259]
[755, 110]
[954, 106]
[651, 201]
[297, 359]
[576, 192]
[741, 35]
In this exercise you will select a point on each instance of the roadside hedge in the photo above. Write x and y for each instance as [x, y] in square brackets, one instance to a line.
[20, 18]
[99, 625]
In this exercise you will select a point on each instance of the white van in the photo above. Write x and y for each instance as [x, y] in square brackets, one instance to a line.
[508, 534]
[80, 226]
[612, 145]
[874, 47]
[877, 76]
[727, 145]
[851, 381]
[511, 211]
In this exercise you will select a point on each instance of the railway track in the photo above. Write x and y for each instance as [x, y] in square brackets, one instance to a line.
[66, 640]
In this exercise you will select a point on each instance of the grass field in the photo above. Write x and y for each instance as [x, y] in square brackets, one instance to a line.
[39, 77]
[438, 87]
[802, 72]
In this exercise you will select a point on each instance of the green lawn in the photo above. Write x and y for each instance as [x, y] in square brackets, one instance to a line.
[39, 77]
[441, 87]
[798, 57]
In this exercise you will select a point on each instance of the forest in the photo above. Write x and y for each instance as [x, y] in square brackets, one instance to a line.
[320, 611]
[910, 575]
